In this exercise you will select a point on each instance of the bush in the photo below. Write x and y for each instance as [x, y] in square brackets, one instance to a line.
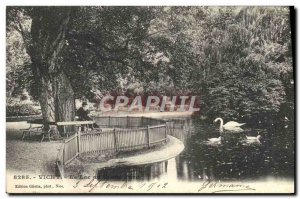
[21, 110]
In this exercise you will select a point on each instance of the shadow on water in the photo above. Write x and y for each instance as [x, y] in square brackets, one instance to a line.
[129, 173]
[230, 160]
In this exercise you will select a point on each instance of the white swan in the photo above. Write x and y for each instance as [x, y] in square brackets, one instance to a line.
[253, 138]
[215, 139]
[230, 126]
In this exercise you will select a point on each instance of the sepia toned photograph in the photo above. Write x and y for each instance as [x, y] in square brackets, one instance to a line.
[150, 100]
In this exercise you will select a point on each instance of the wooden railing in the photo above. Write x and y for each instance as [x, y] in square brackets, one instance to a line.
[60, 160]
[71, 148]
[97, 142]
[121, 134]
[112, 140]
[126, 122]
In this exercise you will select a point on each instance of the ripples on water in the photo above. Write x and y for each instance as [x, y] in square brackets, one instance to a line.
[231, 160]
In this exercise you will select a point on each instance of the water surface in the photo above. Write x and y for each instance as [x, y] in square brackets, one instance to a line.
[231, 160]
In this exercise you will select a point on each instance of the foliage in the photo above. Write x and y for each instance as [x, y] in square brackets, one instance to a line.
[237, 59]
[21, 110]
[255, 60]
[17, 64]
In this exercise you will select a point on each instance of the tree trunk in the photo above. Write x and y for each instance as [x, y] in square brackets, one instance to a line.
[46, 100]
[64, 101]
[48, 39]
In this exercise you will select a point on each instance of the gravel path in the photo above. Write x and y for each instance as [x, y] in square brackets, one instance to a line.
[29, 156]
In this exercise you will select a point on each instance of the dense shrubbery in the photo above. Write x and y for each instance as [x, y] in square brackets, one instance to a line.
[21, 110]
[238, 60]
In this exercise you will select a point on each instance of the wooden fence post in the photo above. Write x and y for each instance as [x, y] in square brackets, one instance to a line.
[64, 150]
[115, 140]
[148, 136]
[108, 121]
[166, 132]
[78, 142]
[65, 131]
[127, 121]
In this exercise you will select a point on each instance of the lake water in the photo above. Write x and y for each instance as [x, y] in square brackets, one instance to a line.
[231, 160]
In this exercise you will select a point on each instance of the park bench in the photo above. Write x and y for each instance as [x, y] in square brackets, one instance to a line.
[39, 130]
[49, 134]
[32, 130]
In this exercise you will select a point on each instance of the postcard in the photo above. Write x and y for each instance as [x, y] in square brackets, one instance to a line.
[150, 99]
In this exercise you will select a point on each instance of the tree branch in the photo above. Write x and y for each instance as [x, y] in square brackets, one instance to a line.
[88, 37]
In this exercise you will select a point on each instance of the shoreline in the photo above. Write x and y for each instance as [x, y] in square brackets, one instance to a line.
[184, 114]
[165, 152]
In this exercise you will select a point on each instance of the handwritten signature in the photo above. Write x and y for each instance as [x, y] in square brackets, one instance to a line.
[217, 187]
[208, 185]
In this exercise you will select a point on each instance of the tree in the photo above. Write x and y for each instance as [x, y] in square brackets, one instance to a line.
[48, 29]
[18, 61]
[44, 42]
[67, 44]
[254, 61]
[237, 59]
